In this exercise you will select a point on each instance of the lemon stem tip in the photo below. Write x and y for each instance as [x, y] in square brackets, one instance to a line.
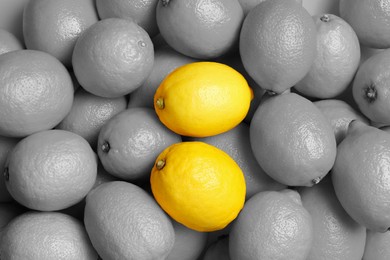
[316, 180]
[325, 18]
[142, 43]
[160, 164]
[370, 93]
[160, 103]
[105, 147]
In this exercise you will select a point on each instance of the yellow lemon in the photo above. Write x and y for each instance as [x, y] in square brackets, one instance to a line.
[202, 99]
[198, 185]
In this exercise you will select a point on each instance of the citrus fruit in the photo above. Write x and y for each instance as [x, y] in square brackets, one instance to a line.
[113, 57]
[335, 234]
[6, 145]
[371, 90]
[200, 29]
[272, 225]
[198, 185]
[53, 26]
[50, 170]
[189, 243]
[336, 61]
[202, 99]
[9, 42]
[129, 143]
[369, 19]
[377, 246]
[340, 114]
[236, 143]
[360, 175]
[278, 44]
[292, 140]
[124, 222]
[143, 12]
[89, 113]
[36, 92]
[46, 235]
[218, 250]
[166, 60]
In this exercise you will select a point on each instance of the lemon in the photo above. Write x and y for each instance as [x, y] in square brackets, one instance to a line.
[46, 235]
[198, 185]
[113, 57]
[53, 26]
[369, 19]
[124, 222]
[273, 225]
[292, 140]
[370, 88]
[200, 29]
[36, 92]
[360, 175]
[129, 143]
[336, 61]
[202, 99]
[277, 44]
[50, 170]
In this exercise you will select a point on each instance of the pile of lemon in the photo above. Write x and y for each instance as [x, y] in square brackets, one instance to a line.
[194, 129]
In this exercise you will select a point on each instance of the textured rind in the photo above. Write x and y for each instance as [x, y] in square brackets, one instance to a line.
[125, 222]
[292, 140]
[360, 176]
[200, 186]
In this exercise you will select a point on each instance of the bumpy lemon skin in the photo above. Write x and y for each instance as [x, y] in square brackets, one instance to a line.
[199, 185]
[202, 99]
